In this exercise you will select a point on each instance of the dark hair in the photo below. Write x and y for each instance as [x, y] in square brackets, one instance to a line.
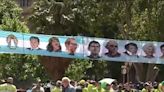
[161, 46]
[133, 44]
[96, 42]
[50, 47]
[34, 37]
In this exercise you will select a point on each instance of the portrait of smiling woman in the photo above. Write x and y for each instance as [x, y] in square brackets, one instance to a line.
[54, 45]
[149, 50]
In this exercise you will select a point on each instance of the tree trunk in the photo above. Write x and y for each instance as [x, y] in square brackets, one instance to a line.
[55, 66]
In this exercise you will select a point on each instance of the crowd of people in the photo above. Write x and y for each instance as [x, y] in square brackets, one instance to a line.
[67, 85]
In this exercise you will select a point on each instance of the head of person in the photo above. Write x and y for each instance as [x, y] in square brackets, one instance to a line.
[149, 49]
[94, 47]
[112, 46]
[82, 83]
[131, 47]
[147, 86]
[34, 42]
[58, 83]
[161, 86]
[71, 45]
[162, 49]
[54, 45]
[9, 80]
[38, 82]
[65, 82]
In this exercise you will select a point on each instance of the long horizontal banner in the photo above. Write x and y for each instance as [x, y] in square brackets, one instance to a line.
[82, 47]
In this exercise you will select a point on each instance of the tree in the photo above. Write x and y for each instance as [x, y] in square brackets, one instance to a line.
[139, 20]
[123, 19]
[24, 68]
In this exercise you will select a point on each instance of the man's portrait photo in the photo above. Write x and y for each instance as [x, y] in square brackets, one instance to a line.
[71, 46]
[94, 48]
[34, 43]
[112, 48]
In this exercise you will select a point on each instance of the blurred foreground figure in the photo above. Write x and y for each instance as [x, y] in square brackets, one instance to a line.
[8, 86]
[38, 87]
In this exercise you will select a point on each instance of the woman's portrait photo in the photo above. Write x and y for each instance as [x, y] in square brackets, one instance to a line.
[12, 41]
[54, 45]
[131, 49]
[149, 50]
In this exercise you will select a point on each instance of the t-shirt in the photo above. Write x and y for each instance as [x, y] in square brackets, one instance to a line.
[7, 88]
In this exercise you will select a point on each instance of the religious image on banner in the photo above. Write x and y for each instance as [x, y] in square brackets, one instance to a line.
[12, 41]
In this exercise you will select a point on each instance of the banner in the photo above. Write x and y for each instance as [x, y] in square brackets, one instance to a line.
[82, 47]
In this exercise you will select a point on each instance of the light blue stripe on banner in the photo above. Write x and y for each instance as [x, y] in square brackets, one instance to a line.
[4, 34]
[83, 50]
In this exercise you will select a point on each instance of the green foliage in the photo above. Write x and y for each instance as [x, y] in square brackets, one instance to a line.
[123, 19]
[77, 69]
[10, 17]
[21, 67]
[139, 19]
[85, 69]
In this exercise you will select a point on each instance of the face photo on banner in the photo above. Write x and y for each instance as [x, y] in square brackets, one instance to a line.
[131, 49]
[149, 50]
[93, 48]
[11, 42]
[54, 45]
[34, 43]
[112, 48]
[162, 51]
[71, 45]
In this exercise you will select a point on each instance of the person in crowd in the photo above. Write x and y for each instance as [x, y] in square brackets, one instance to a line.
[131, 49]
[94, 48]
[54, 45]
[58, 86]
[34, 43]
[71, 46]
[147, 87]
[92, 86]
[149, 50]
[66, 86]
[112, 48]
[38, 87]
[8, 86]
[162, 51]
[100, 87]
[48, 86]
[73, 83]
[12, 41]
